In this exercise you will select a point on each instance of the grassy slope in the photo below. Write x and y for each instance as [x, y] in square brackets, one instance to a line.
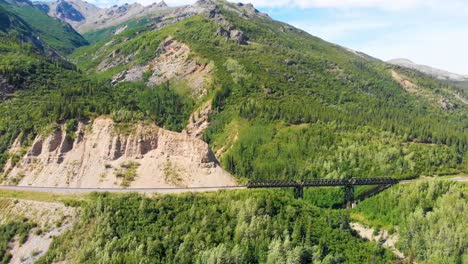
[102, 34]
[332, 114]
[57, 35]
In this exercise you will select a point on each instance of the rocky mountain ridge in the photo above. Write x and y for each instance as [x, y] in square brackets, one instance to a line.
[84, 16]
[437, 73]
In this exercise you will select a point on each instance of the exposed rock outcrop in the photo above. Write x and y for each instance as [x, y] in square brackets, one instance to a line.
[99, 153]
[172, 63]
[445, 104]
[199, 121]
[232, 34]
[212, 10]
[388, 241]
[85, 17]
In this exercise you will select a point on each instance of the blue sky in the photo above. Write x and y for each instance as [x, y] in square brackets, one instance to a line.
[431, 32]
[433, 35]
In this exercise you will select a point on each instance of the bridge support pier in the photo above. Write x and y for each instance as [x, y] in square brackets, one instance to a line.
[349, 196]
[299, 192]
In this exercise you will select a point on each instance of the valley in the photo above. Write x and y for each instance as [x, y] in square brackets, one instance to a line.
[129, 134]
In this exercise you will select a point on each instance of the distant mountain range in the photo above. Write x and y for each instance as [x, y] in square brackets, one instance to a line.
[437, 73]
[84, 16]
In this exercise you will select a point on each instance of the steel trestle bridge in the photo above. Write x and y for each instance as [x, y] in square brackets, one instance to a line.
[348, 184]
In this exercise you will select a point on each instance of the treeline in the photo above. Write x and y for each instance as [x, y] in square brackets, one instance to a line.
[226, 227]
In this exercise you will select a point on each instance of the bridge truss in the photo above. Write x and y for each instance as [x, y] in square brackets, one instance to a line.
[348, 184]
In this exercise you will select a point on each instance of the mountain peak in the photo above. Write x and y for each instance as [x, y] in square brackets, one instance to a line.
[85, 17]
[19, 2]
[161, 4]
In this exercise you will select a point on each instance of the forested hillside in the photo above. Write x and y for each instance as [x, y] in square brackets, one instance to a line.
[272, 102]
[284, 104]
[40, 89]
[228, 227]
[289, 105]
[429, 216]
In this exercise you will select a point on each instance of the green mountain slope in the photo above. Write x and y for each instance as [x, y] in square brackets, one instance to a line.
[38, 89]
[57, 35]
[281, 104]
[289, 105]
[22, 51]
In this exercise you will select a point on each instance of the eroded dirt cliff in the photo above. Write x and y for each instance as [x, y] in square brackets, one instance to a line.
[103, 154]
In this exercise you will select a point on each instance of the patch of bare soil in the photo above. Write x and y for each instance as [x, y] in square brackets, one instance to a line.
[173, 61]
[52, 219]
[460, 98]
[408, 85]
[388, 241]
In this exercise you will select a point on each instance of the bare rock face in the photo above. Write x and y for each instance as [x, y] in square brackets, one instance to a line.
[46, 215]
[232, 34]
[66, 11]
[247, 11]
[85, 17]
[100, 156]
[173, 63]
[239, 37]
[199, 121]
[445, 104]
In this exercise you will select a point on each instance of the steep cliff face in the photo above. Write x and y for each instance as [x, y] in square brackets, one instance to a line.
[103, 154]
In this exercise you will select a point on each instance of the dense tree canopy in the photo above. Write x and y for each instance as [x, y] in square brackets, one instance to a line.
[226, 227]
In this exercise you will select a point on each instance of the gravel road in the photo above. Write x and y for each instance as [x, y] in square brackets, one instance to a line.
[116, 190]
